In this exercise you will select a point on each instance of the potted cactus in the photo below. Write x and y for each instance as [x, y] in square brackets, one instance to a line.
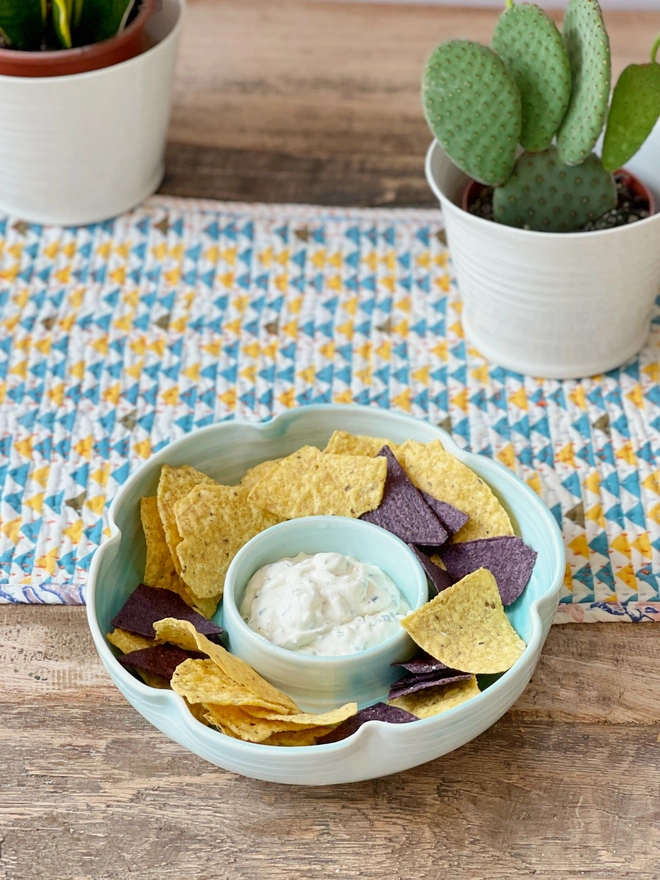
[556, 248]
[84, 105]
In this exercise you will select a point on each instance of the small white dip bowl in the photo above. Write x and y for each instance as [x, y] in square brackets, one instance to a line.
[320, 683]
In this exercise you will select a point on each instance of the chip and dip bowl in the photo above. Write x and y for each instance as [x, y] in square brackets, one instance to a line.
[318, 684]
[225, 452]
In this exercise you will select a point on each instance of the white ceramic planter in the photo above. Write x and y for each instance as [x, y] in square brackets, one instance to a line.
[80, 149]
[552, 305]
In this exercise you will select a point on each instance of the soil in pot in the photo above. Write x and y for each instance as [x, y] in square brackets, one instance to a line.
[634, 203]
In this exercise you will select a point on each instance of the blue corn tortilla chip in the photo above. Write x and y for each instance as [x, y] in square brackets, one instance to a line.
[410, 684]
[160, 660]
[146, 605]
[439, 579]
[377, 712]
[451, 517]
[422, 665]
[403, 511]
[508, 558]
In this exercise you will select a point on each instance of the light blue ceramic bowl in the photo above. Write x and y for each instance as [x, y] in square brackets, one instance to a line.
[225, 452]
[318, 684]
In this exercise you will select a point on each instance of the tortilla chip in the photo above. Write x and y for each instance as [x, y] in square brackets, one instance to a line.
[465, 627]
[184, 634]
[412, 684]
[253, 729]
[403, 511]
[377, 712]
[344, 443]
[424, 704]
[508, 558]
[296, 737]
[128, 642]
[214, 522]
[305, 720]
[438, 577]
[259, 471]
[451, 518]
[159, 660]
[146, 605]
[309, 483]
[173, 485]
[202, 681]
[435, 471]
[159, 569]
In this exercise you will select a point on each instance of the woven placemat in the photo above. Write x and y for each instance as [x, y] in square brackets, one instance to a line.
[119, 337]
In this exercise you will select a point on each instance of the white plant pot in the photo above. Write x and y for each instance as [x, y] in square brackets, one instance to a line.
[552, 305]
[81, 149]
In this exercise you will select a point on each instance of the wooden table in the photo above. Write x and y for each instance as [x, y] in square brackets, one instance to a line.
[318, 102]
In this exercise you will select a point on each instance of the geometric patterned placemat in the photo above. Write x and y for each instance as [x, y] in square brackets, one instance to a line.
[118, 337]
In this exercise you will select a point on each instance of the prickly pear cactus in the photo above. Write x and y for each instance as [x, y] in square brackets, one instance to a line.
[588, 48]
[473, 108]
[634, 112]
[545, 195]
[529, 43]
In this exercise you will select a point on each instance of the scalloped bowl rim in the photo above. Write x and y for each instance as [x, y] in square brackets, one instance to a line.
[159, 698]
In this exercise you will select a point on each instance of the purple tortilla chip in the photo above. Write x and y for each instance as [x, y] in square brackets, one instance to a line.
[403, 511]
[160, 660]
[440, 579]
[422, 665]
[146, 605]
[377, 712]
[509, 559]
[413, 683]
[451, 517]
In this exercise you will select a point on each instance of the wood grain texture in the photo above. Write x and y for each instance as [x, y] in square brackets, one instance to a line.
[290, 101]
[564, 787]
[319, 102]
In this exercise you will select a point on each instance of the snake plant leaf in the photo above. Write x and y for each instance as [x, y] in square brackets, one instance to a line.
[100, 19]
[22, 22]
[62, 21]
[634, 113]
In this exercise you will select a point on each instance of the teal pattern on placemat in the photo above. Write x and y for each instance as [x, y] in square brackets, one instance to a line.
[119, 337]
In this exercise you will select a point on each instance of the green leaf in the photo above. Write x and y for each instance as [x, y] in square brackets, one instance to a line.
[633, 114]
[62, 22]
[100, 19]
[22, 22]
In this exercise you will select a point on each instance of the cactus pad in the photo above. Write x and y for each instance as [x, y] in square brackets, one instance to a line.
[588, 49]
[545, 195]
[473, 108]
[528, 42]
[634, 112]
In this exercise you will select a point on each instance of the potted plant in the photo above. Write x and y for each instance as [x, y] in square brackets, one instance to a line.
[556, 248]
[85, 91]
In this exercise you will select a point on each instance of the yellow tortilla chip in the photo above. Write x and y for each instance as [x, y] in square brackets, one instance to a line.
[127, 642]
[259, 471]
[342, 442]
[466, 628]
[310, 483]
[305, 720]
[438, 472]
[244, 725]
[202, 681]
[214, 522]
[296, 737]
[159, 569]
[184, 634]
[173, 485]
[434, 701]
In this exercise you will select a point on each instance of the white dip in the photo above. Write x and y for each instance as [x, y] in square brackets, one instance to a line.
[325, 604]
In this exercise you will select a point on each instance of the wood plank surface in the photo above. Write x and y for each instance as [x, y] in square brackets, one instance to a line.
[318, 102]
[289, 101]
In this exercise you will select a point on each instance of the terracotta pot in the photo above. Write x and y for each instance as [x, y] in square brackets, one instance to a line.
[133, 41]
[474, 189]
